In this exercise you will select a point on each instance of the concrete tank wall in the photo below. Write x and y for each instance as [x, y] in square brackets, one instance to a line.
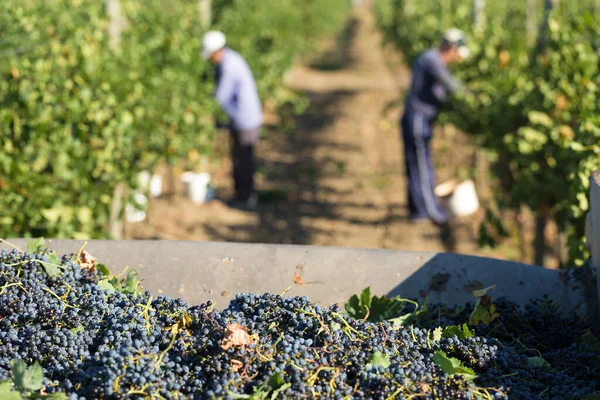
[201, 271]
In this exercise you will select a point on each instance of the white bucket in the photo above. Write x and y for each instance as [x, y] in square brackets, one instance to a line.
[196, 186]
[150, 183]
[134, 215]
[462, 199]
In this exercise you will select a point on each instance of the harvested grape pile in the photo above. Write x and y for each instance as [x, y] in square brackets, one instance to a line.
[69, 329]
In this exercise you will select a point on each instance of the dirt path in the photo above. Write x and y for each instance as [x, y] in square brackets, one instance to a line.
[340, 169]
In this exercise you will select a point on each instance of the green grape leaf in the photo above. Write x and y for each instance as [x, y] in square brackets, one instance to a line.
[461, 332]
[590, 339]
[379, 359]
[78, 329]
[537, 362]
[51, 269]
[6, 392]
[131, 284]
[282, 388]
[484, 311]
[452, 366]
[106, 285]
[29, 380]
[102, 270]
[276, 381]
[56, 396]
[35, 245]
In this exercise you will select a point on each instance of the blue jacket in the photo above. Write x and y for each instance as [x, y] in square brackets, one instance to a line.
[236, 92]
[430, 85]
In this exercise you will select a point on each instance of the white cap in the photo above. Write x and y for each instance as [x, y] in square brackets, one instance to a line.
[212, 42]
[457, 38]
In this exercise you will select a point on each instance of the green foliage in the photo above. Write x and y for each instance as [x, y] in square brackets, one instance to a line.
[127, 285]
[535, 106]
[461, 332]
[268, 391]
[484, 311]
[6, 392]
[380, 359]
[452, 366]
[27, 380]
[375, 309]
[28, 383]
[77, 118]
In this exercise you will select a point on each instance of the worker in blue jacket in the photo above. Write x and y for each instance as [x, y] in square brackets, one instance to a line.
[237, 94]
[430, 85]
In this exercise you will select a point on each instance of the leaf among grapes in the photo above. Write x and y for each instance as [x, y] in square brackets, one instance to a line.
[6, 392]
[376, 309]
[461, 332]
[106, 285]
[27, 379]
[103, 269]
[484, 311]
[379, 359]
[452, 366]
[35, 245]
[537, 362]
[437, 334]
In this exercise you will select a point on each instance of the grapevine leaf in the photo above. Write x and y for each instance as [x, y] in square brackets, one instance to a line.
[6, 392]
[51, 268]
[352, 307]
[374, 308]
[56, 396]
[402, 320]
[78, 329]
[33, 380]
[279, 390]
[106, 285]
[383, 309]
[18, 368]
[461, 332]
[276, 381]
[379, 359]
[365, 298]
[484, 311]
[537, 362]
[35, 245]
[131, 284]
[593, 396]
[29, 380]
[103, 269]
[452, 366]
[590, 339]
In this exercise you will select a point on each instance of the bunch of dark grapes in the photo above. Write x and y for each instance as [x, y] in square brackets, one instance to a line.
[95, 343]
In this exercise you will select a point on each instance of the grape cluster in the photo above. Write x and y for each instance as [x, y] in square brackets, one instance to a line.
[96, 343]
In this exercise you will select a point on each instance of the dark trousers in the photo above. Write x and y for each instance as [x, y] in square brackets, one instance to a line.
[416, 134]
[244, 164]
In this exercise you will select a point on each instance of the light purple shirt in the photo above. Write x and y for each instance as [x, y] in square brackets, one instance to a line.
[236, 92]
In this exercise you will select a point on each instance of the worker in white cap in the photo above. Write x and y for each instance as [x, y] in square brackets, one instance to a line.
[237, 94]
[431, 83]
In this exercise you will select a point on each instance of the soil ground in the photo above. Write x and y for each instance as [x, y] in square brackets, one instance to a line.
[337, 177]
